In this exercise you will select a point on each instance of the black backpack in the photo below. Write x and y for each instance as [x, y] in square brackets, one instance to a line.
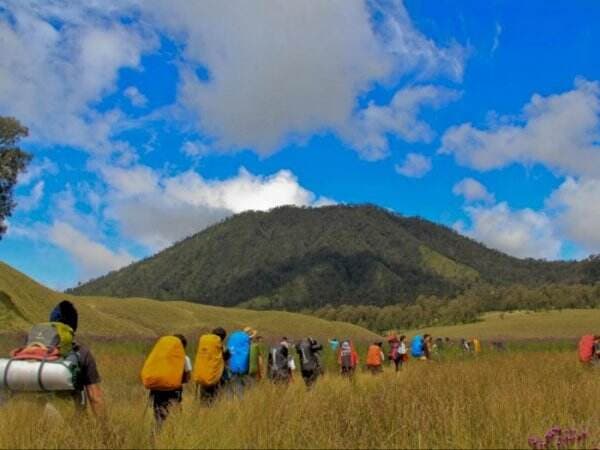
[278, 366]
[308, 359]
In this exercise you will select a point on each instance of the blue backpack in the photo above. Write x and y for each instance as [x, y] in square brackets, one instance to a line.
[238, 345]
[416, 347]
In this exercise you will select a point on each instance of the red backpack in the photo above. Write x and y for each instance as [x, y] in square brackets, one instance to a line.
[586, 348]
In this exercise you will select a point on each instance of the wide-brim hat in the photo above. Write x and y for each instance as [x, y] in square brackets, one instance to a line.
[250, 332]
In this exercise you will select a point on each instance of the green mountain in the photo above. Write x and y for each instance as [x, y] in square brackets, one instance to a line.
[295, 258]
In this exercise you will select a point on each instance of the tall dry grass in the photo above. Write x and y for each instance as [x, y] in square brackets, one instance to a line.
[495, 401]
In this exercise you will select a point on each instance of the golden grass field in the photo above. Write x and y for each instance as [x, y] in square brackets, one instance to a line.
[495, 400]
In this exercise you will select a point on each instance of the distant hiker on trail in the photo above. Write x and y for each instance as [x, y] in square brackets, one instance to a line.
[210, 372]
[166, 369]
[589, 350]
[465, 345]
[347, 358]
[334, 344]
[310, 364]
[257, 361]
[375, 358]
[417, 347]
[476, 345]
[280, 363]
[398, 354]
[53, 366]
[238, 345]
[427, 346]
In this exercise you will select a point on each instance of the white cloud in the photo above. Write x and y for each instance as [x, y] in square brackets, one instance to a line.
[195, 149]
[368, 131]
[497, 34]
[31, 201]
[522, 233]
[37, 169]
[473, 191]
[559, 131]
[91, 258]
[414, 166]
[135, 96]
[576, 203]
[58, 60]
[281, 70]
[159, 210]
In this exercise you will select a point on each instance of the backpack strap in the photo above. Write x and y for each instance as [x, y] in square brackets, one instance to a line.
[6, 373]
[39, 375]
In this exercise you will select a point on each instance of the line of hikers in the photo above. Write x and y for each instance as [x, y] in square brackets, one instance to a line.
[52, 362]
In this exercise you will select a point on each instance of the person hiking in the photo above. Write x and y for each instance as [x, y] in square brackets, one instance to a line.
[210, 372]
[427, 347]
[70, 372]
[398, 353]
[166, 369]
[589, 350]
[347, 358]
[375, 358]
[257, 361]
[238, 344]
[310, 364]
[280, 363]
[334, 344]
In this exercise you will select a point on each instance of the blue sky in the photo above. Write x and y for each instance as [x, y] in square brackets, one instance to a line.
[151, 120]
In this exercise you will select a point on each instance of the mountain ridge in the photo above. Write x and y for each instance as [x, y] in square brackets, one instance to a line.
[302, 258]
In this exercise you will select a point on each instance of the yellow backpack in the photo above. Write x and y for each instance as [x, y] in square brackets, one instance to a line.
[164, 366]
[209, 364]
[476, 345]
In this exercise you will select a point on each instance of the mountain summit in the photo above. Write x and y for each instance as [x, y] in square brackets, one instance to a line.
[294, 258]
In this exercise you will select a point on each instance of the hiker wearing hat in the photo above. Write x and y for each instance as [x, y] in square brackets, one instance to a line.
[255, 371]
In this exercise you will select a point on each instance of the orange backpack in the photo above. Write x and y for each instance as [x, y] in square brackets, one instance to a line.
[374, 356]
[586, 348]
[164, 366]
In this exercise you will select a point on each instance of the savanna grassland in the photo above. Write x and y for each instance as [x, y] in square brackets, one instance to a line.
[494, 400]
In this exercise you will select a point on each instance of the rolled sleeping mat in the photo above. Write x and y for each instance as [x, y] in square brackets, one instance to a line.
[37, 376]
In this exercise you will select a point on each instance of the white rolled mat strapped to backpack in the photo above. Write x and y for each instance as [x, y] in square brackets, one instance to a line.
[38, 376]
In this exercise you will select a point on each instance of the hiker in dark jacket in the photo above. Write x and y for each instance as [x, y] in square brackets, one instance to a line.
[310, 364]
[89, 378]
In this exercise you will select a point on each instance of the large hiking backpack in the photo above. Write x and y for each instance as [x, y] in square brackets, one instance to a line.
[238, 345]
[164, 366]
[476, 345]
[586, 348]
[374, 356]
[278, 363]
[47, 362]
[346, 356]
[394, 350]
[209, 364]
[417, 347]
[308, 358]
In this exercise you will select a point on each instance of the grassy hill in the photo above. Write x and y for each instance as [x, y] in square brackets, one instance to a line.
[568, 323]
[294, 258]
[23, 302]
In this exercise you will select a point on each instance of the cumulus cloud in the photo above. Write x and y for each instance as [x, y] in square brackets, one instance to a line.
[57, 61]
[560, 131]
[522, 233]
[280, 70]
[135, 96]
[37, 169]
[472, 191]
[91, 257]
[369, 129]
[575, 203]
[158, 210]
[414, 166]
